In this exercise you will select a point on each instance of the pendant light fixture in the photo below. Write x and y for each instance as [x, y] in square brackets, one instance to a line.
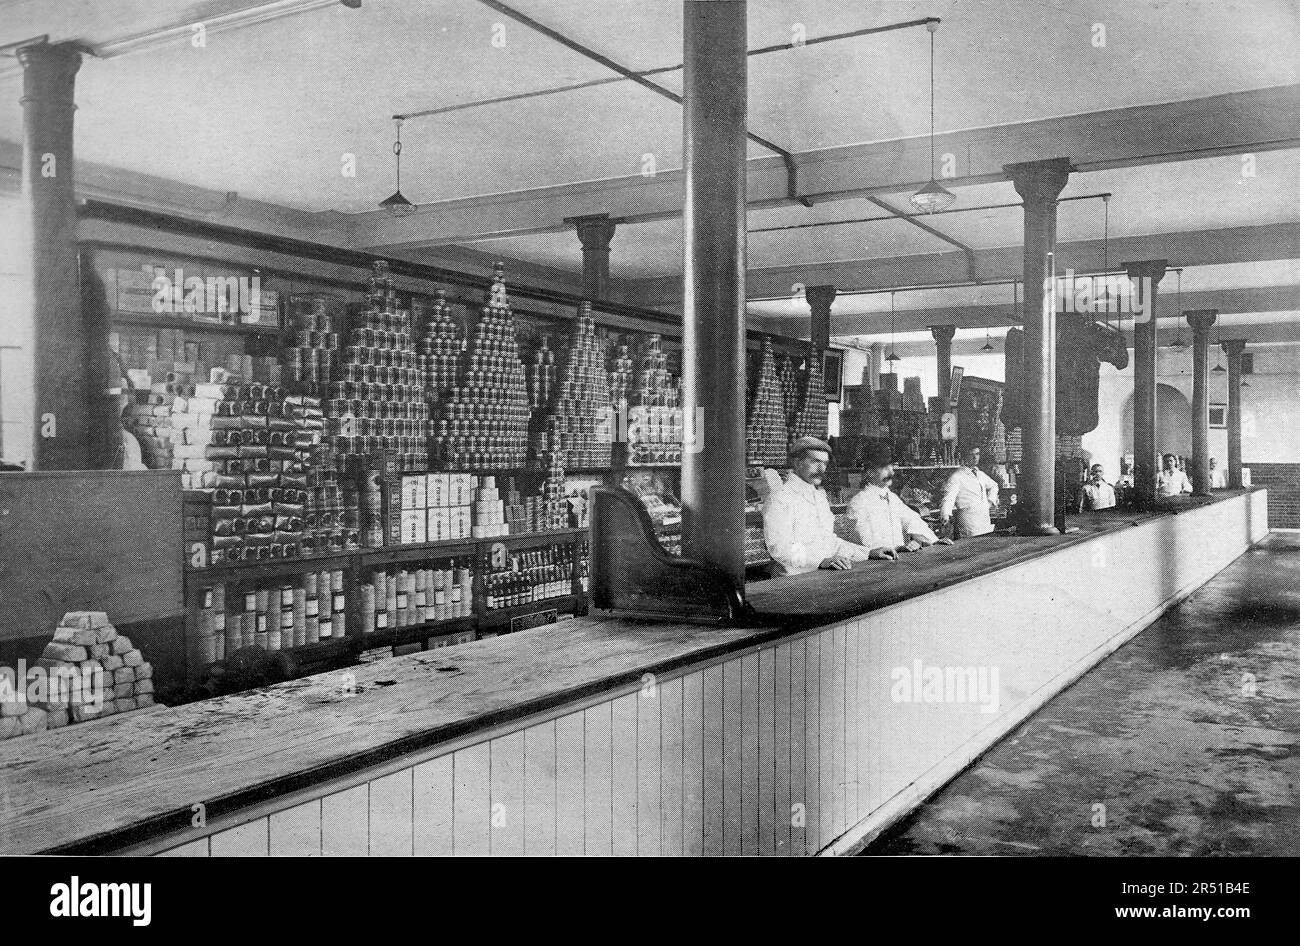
[933, 196]
[1178, 344]
[397, 204]
[1015, 307]
[893, 354]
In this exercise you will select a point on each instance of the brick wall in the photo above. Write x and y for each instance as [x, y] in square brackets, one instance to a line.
[1283, 483]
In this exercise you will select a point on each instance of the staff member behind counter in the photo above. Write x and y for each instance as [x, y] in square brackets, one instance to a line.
[968, 496]
[798, 524]
[883, 522]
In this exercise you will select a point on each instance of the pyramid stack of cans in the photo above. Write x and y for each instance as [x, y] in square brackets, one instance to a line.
[483, 423]
[86, 642]
[441, 347]
[654, 417]
[376, 400]
[811, 417]
[766, 439]
[580, 422]
[308, 359]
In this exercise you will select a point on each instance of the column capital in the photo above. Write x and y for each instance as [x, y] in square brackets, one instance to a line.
[53, 66]
[819, 295]
[1233, 346]
[1039, 182]
[1153, 269]
[595, 231]
[943, 333]
[1201, 319]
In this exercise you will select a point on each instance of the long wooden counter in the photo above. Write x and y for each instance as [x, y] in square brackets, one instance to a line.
[550, 740]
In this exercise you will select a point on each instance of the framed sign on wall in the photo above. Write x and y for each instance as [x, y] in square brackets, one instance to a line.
[1218, 416]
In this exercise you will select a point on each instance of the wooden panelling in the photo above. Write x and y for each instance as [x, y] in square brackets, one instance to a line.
[672, 762]
[539, 790]
[508, 815]
[296, 832]
[598, 779]
[247, 840]
[432, 807]
[788, 747]
[345, 823]
[649, 769]
[623, 806]
[570, 784]
[695, 715]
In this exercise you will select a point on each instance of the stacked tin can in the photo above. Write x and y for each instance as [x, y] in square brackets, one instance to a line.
[654, 415]
[376, 398]
[442, 346]
[540, 373]
[312, 343]
[482, 423]
[811, 417]
[789, 385]
[249, 447]
[580, 422]
[766, 437]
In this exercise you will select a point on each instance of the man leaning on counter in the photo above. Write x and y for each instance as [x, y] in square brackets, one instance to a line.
[882, 522]
[798, 525]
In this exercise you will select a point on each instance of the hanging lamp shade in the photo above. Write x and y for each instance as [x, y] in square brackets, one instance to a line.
[933, 196]
[397, 204]
[1218, 369]
[891, 357]
[987, 346]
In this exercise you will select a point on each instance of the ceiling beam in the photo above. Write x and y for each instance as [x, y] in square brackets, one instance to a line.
[1191, 248]
[1234, 123]
[1227, 301]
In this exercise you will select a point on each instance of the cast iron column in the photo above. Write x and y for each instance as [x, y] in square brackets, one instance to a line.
[819, 301]
[1200, 321]
[594, 233]
[943, 335]
[1039, 183]
[1234, 347]
[713, 327]
[58, 357]
[1145, 278]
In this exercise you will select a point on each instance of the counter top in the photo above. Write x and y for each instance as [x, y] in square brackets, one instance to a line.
[101, 786]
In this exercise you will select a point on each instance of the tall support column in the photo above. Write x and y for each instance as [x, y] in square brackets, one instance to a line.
[1234, 347]
[59, 365]
[713, 326]
[1200, 321]
[1039, 183]
[819, 301]
[1145, 279]
[595, 232]
[943, 335]
[877, 357]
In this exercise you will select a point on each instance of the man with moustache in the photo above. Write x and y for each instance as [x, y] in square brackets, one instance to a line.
[798, 525]
[883, 522]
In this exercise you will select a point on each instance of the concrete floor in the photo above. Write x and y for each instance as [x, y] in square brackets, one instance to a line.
[1183, 742]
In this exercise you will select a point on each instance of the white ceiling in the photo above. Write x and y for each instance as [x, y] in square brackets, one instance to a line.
[269, 110]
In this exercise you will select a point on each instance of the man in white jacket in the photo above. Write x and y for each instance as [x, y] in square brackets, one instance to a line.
[798, 524]
[968, 496]
[883, 522]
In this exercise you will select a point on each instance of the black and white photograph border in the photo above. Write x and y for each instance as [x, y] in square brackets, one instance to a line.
[650, 427]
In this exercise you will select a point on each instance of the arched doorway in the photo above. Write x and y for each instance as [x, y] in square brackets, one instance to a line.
[1173, 422]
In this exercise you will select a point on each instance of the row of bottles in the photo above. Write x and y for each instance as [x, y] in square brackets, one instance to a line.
[530, 576]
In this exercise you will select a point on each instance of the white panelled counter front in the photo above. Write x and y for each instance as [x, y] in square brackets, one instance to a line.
[864, 693]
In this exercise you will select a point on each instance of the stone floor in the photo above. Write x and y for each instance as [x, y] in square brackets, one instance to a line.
[1183, 742]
